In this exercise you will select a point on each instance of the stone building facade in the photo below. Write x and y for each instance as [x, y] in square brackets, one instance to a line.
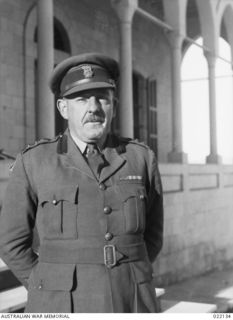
[149, 39]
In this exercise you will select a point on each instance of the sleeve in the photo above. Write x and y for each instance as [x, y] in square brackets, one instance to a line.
[154, 217]
[17, 222]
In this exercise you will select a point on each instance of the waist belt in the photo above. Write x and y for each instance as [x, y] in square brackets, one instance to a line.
[75, 251]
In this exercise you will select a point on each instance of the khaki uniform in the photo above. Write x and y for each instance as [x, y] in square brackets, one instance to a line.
[97, 237]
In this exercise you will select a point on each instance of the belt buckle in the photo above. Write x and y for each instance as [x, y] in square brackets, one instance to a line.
[110, 255]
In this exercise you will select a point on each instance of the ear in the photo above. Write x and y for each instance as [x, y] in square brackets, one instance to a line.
[115, 106]
[63, 108]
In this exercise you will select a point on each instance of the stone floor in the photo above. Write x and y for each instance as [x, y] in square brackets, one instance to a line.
[215, 287]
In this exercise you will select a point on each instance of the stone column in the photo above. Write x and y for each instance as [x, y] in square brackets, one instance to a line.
[213, 157]
[176, 155]
[125, 10]
[45, 114]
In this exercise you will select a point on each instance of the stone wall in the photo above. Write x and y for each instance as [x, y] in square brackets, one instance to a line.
[198, 221]
[4, 176]
[11, 76]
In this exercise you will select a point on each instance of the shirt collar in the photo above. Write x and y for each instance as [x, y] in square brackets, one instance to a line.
[81, 144]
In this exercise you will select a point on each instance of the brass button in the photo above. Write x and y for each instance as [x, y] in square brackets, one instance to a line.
[108, 236]
[102, 186]
[55, 202]
[142, 197]
[107, 210]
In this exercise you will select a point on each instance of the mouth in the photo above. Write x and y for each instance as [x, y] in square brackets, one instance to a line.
[94, 120]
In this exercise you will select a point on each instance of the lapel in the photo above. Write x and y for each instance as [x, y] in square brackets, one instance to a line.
[112, 155]
[72, 158]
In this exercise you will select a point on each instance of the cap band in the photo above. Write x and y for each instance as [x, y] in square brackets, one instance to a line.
[84, 77]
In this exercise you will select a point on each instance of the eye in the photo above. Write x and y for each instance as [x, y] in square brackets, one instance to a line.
[103, 98]
[81, 99]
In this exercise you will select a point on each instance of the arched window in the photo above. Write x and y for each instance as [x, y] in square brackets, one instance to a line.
[195, 105]
[61, 39]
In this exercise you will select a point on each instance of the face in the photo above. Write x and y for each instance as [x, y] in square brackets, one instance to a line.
[89, 114]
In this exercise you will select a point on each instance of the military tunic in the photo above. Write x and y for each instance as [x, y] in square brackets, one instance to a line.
[98, 237]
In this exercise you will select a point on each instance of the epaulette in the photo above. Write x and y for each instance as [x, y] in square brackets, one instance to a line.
[40, 142]
[134, 141]
[11, 167]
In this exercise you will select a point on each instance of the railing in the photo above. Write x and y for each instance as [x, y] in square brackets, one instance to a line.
[186, 178]
[4, 155]
[13, 295]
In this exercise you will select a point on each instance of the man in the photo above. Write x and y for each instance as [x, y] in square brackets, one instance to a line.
[95, 200]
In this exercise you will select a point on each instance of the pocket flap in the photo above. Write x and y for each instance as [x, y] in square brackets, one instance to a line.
[142, 271]
[51, 276]
[62, 193]
[129, 190]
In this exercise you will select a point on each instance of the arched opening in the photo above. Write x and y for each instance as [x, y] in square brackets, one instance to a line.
[61, 39]
[195, 104]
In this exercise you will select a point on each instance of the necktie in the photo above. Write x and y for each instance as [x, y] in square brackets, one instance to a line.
[95, 159]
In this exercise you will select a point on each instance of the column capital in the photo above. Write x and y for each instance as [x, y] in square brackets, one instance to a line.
[175, 39]
[210, 57]
[125, 9]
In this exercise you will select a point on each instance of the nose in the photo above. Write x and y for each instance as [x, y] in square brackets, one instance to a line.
[93, 104]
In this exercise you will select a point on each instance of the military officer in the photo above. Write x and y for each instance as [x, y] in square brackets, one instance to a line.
[95, 200]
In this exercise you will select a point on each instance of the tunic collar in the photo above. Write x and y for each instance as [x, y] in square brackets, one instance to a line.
[79, 143]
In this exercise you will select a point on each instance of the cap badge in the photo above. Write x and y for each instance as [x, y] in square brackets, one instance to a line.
[112, 82]
[88, 71]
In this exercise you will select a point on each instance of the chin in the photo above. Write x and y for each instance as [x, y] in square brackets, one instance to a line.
[95, 135]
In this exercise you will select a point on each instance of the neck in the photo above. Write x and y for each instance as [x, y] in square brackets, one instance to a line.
[100, 142]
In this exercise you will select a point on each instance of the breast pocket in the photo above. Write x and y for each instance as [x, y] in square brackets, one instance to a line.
[133, 206]
[59, 212]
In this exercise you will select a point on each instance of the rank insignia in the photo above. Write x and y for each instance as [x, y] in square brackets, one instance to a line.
[88, 71]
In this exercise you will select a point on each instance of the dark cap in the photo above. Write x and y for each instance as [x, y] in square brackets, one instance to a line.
[83, 72]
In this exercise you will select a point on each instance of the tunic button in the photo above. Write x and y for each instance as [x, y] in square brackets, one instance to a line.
[108, 236]
[54, 202]
[107, 210]
[102, 186]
